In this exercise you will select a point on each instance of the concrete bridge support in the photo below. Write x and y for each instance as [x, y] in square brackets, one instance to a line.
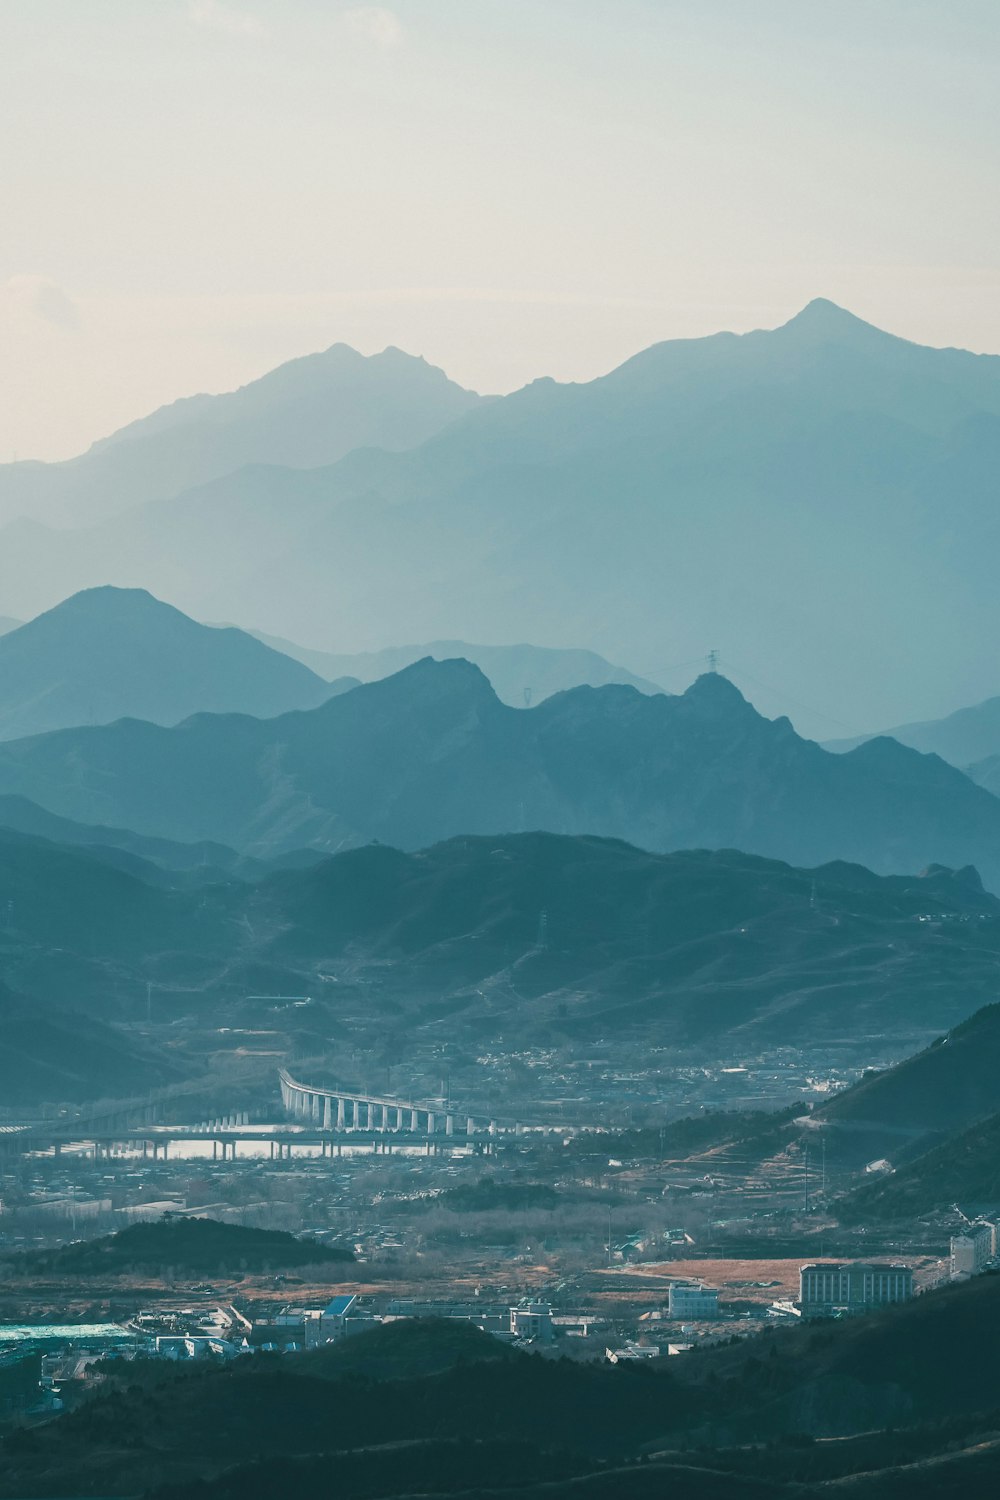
[334, 1109]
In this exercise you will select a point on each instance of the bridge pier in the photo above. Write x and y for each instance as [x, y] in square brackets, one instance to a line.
[346, 1112]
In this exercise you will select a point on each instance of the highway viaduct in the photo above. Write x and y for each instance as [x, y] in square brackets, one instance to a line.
[342, 1110]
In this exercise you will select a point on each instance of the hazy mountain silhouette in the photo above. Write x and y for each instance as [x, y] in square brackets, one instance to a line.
[519, 675]
[692, 946]
[963, 738]
[110, 653]
[968, 738]
[820, 497]
[306, 413]
[161, 860]
[431, 753]
[7, 624]
[987, 773]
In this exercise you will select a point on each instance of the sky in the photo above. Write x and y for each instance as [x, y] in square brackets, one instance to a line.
[196, 190]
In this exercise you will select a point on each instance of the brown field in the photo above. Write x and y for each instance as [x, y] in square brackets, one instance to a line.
[728, 1275]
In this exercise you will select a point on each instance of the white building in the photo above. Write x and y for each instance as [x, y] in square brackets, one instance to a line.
[972, 1250]
[531, 1320]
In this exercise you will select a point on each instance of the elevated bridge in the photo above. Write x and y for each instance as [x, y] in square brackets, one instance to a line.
[341, 1110]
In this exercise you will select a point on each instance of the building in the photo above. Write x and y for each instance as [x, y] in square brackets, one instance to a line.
[972, 1250]
[692, 1302]
[853, 1287]
[531, 1320]
[333, 1318]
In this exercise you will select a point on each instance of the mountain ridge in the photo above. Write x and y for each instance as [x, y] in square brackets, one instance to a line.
[431, 753]
[304, 413]
[520, 674]
[680, 471]
[108, 653]
[708, 949]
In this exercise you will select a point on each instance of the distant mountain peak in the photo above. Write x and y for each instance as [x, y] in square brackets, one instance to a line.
[454, 672]
[712, 687]
[107, 653]
[822, 319]
[109, 593]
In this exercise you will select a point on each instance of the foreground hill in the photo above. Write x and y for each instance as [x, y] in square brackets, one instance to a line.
[519, 675]
[963, 1169]
[392, 1417]
[308, 412]
[432, 753]
[935, 1117]
[545, 935]
[944, 1088]
[110, 653]
[644, 514]
[181, 1246]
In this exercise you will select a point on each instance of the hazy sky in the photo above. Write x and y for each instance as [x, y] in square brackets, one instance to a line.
[195, 190]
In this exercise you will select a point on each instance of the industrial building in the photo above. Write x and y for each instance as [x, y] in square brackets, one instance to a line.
[853, 1287]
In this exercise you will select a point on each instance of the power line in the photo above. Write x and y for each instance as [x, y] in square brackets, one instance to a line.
[796, 703]
[677, 666]
[715, 659]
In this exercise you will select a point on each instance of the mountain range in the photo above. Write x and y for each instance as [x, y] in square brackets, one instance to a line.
[967, 736]
[519, 675]
[432, 753]
[309, 412]
[818, 501]
[534, 934]
[109, 653]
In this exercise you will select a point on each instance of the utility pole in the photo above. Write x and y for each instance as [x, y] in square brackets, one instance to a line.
[805, 1188]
